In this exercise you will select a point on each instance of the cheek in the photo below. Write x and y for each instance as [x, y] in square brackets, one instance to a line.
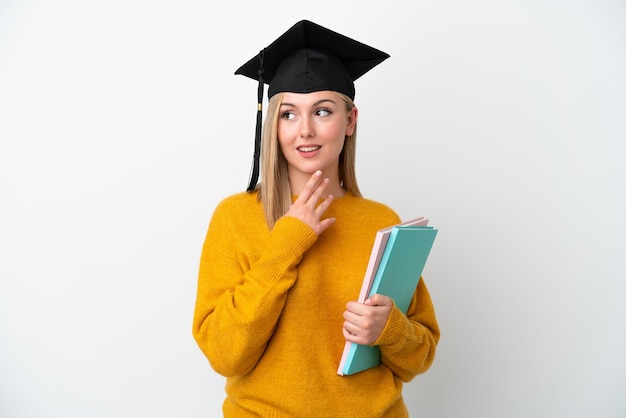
[280, 134]
[284, 132]
[339, 133]
[342, 143]
[282, 139]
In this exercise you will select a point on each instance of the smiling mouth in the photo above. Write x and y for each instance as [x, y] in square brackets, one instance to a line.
[309, 149]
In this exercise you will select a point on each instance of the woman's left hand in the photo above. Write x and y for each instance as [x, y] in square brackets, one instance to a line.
[364, 322]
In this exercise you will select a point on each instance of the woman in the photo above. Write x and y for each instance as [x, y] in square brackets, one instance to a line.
[283, 263]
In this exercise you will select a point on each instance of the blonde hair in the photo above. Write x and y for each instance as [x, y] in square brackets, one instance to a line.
[274, 189]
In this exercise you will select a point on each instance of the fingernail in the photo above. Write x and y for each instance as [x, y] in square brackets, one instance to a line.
[318, 173]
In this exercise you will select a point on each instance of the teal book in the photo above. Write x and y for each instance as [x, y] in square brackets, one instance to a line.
[397, 274]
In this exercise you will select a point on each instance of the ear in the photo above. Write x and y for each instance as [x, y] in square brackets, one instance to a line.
[352, 117]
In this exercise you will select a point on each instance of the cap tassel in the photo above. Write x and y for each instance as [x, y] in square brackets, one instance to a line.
[254, 176]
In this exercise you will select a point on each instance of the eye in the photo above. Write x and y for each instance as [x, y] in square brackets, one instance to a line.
[289, 115]
[324, 111]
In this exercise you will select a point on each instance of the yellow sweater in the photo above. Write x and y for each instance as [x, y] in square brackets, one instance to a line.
[269, 308]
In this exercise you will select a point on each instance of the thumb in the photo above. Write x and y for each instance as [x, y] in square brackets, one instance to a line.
[378, 300]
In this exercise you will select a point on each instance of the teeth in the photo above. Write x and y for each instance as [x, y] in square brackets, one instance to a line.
[308, 149]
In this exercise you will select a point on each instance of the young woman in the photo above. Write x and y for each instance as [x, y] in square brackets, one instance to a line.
[283, 263]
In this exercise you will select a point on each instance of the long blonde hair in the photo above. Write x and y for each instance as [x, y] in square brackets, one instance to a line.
[274, 189]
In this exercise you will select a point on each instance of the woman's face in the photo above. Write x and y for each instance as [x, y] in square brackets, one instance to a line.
[311, 131]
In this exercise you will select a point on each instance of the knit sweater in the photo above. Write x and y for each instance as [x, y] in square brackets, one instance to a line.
[269, 313]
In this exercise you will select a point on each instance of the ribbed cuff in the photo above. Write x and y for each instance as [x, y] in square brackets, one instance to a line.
[289, 240]
[396, 331]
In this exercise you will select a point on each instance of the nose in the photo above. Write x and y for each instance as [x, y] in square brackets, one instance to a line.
[306, 128]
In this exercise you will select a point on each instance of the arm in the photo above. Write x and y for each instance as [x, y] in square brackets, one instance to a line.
[407, 342]
[237, 310]
[239, 300]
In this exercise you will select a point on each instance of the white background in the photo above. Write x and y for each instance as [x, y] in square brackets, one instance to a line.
[122, 126]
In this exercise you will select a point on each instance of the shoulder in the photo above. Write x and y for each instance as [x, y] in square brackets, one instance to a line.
[374, 205]
[239, 202]
[235, 217]
[238, 208]
[364, 208]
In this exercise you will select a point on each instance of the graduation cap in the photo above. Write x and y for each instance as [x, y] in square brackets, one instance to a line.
[305, 59]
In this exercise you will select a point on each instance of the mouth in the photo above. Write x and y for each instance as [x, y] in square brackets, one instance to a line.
[310, 148]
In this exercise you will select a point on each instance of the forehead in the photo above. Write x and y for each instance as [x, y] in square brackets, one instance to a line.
[304, 99]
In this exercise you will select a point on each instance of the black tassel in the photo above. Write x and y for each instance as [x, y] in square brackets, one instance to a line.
[254, 176]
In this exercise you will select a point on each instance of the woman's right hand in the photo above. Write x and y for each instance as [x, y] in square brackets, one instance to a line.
[306, 206]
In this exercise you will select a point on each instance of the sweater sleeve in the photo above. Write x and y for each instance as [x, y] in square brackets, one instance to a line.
[408, 342]
[238, 306]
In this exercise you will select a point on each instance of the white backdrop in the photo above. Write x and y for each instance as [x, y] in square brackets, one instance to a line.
[122, 126]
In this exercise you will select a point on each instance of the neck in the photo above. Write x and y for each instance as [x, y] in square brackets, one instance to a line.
[297, 183]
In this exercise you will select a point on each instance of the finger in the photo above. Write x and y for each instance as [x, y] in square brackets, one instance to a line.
[321, 208]
[310, 187]
[351, 329]
[379, 300]
[317, 193]
[325, 224]
[355, 337]
[350, 317]
[356, 308]
[358, 324]
[349, 336]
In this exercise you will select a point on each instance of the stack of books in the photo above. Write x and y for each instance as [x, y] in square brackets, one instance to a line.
[394, 269]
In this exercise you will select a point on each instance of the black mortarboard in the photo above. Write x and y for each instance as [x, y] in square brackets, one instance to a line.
[307, 58]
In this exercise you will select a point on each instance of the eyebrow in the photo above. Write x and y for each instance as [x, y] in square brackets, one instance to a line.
[319, 102]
